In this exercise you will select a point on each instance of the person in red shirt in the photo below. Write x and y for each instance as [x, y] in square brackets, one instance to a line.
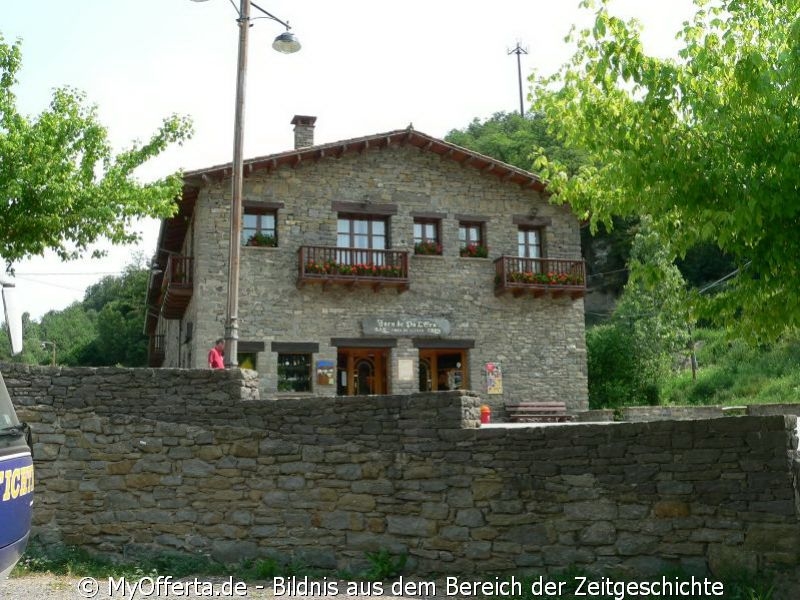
[215, 355]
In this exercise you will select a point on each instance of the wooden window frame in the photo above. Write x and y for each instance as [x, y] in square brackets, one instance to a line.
[370, 219]
[468, 225]
[433, 243]
[526, 231]
[259, 211]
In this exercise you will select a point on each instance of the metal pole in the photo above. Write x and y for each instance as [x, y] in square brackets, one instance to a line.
[519, 76]
[231, 317]
[519, 51]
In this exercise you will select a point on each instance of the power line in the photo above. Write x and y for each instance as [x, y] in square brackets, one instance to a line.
[62, 274]
[723, 279]
[63, 287]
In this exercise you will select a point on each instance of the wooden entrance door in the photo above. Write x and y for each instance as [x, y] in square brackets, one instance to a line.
[442, 369]
[362, 371]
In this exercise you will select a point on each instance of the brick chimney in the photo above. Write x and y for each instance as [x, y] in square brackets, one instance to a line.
[303, 131]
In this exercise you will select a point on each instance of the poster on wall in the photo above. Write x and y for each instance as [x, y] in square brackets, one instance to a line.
[405, 369]
[325, 372]
[494, 378]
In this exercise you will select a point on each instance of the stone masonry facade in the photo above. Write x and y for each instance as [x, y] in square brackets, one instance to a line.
[539, 342]
[140, 461]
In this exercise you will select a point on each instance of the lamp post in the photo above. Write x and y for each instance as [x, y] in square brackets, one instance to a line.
[286, 43]
[45, 344]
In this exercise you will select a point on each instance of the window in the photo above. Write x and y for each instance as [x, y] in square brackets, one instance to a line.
[426, 236]
[442, 369]
[471, 240]
[364, 233]
[294, 372]
[361, 232]
[247, 360]
[258, 227]
[529, 243]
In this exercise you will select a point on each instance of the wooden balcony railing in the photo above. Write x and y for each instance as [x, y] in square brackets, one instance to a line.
[176, 287]
[539, 276]
[155, 355]
[353, 266]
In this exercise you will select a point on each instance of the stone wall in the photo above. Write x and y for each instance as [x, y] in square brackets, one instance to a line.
[157, 465]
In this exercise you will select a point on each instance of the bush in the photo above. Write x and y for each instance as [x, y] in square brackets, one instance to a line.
[623, 369]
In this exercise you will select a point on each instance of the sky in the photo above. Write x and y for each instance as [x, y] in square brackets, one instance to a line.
[365, 67]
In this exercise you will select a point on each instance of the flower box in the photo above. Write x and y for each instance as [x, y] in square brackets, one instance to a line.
[330, 267]
[428, 248]
[474, 251]
[262, 239]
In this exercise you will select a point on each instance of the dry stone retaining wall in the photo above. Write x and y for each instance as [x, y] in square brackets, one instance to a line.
[201, 467]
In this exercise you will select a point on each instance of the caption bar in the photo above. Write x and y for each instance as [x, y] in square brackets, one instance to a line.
[449, 587]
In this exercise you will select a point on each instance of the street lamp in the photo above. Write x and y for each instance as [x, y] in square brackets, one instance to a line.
[286, 43]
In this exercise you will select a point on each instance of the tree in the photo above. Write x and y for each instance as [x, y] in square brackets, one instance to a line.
[707, 144]
[61, 185]
[71, 330]
[513, 139]
[31, 348]
[629, 356]
[119, 309]
[104, 329]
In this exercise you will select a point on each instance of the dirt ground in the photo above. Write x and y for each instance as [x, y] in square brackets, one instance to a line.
[52, 587]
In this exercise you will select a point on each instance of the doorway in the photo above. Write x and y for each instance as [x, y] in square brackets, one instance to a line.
[442, 369]
[361, 371]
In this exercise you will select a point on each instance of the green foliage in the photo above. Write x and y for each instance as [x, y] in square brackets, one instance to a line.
[606, 251]
[73, 561]
[384, 566]
[118, 303]
[62, 187]
[513, 139]
[72, 330]
[105, 329]
[621, 372]
[707, 145]
[629, 356]
[704, 264]
[733, 372]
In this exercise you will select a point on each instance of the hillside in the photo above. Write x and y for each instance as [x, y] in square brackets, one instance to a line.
[730, 372]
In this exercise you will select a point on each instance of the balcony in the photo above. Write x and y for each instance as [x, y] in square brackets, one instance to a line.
[155, 354]
[353, 267]
[176, 287]
[539, 276]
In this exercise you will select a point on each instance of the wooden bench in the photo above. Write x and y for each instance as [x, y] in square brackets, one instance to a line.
[538, 412]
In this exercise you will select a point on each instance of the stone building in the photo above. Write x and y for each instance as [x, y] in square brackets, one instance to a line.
[387, 264]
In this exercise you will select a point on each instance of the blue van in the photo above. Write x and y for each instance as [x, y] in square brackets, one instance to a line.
[16, 460]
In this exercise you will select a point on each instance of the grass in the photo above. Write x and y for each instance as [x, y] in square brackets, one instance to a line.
[734, 373]
[71, 561]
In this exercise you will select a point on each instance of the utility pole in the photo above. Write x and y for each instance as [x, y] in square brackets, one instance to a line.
[519, 50]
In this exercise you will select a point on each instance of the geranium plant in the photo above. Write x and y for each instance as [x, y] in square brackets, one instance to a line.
[330, 267]
[549, 278]
[262, 239]
[475, 251]
[428, 248]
